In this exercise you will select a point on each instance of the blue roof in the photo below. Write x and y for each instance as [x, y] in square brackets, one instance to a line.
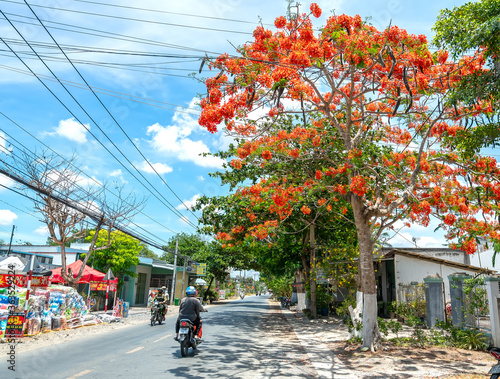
[40, 249]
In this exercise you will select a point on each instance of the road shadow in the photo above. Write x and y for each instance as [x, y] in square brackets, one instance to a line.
[258, 343]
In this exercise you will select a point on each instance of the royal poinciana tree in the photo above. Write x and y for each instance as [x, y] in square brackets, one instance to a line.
[271, 220]
[371, 103]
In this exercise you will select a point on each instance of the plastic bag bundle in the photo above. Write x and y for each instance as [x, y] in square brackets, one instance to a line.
[64, 323]
[36, 305]
[34, 326]
[75, 322]
[5, 299]
[57, 303]
[21, 294]
[56, 323]
[89, 320]
[46, 323]
[3, 323]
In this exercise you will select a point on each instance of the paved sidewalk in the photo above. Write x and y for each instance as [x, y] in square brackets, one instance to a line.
[327, 364]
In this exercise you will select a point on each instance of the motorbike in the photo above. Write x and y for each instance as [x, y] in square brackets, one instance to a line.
[285, 302]
[495, 370]
[156, 313]
[187, 336]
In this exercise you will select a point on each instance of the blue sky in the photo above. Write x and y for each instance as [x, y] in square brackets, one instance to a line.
[136, 54]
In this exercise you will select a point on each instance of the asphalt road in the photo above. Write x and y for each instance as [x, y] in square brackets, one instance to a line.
[242, 339]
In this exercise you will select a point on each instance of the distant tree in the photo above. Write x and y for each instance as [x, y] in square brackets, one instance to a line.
[147, 252]
[474, 26]
[119, 255]
[188, 245]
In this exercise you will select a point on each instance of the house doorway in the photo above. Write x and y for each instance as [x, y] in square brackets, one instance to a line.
[141, 289]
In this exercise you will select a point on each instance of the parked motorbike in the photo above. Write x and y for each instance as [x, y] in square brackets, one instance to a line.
[285, 302]
[495, 370]
[187, 335]
[156, 313]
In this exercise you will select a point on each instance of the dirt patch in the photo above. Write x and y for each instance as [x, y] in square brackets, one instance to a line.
[399, 362]
[394, 361]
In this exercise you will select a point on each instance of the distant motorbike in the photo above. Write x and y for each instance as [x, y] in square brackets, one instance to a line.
[156, 313]
[495, 370]
[285, 302]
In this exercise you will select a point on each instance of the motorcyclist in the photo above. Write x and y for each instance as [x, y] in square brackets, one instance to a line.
[162, 301]
[167, 296]
[190, 308]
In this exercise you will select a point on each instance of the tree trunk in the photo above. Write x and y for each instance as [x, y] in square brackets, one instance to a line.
[371, 334]
[312, 276]
[301, 295]
[205, 296]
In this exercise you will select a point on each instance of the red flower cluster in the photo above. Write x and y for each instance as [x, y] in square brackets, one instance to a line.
[266, 154]
[280, 22]
[316, 10]
[358, 186]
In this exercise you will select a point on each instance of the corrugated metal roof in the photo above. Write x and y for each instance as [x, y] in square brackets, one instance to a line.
[412, 254]
[40, 249]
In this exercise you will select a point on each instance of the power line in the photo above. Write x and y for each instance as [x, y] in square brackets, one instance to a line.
[134, 19]
[69, 205]
[112, 93]
[169, 206]
[106, 34]
[37, 201]
[73, 205]
[109, 113]
[167, 12]
[79, 171]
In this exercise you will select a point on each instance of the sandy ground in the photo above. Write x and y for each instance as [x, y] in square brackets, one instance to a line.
[393, 361]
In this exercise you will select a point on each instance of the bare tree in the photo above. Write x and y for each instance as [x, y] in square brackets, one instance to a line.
[66, 200]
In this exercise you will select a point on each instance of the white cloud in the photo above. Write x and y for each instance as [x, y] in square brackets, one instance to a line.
[7, 217]
[70, 178]
[428, 242]
[118, 174]
[3, 144]
[72, 130]
[173, 141]
[42, 231]
[188, 203]
[201, 178]
[160, 168]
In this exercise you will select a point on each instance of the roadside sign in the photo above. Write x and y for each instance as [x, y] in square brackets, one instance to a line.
[201, 269]
[222, 294]
[15, 322]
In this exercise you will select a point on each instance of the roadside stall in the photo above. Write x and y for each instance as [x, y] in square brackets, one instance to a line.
[18, 278]
[97, 281]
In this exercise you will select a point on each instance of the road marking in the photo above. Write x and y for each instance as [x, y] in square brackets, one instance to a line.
[85, 372]
[136, 349]
[162, 338]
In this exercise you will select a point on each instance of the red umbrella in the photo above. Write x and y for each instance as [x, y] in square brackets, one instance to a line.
[89, 274]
